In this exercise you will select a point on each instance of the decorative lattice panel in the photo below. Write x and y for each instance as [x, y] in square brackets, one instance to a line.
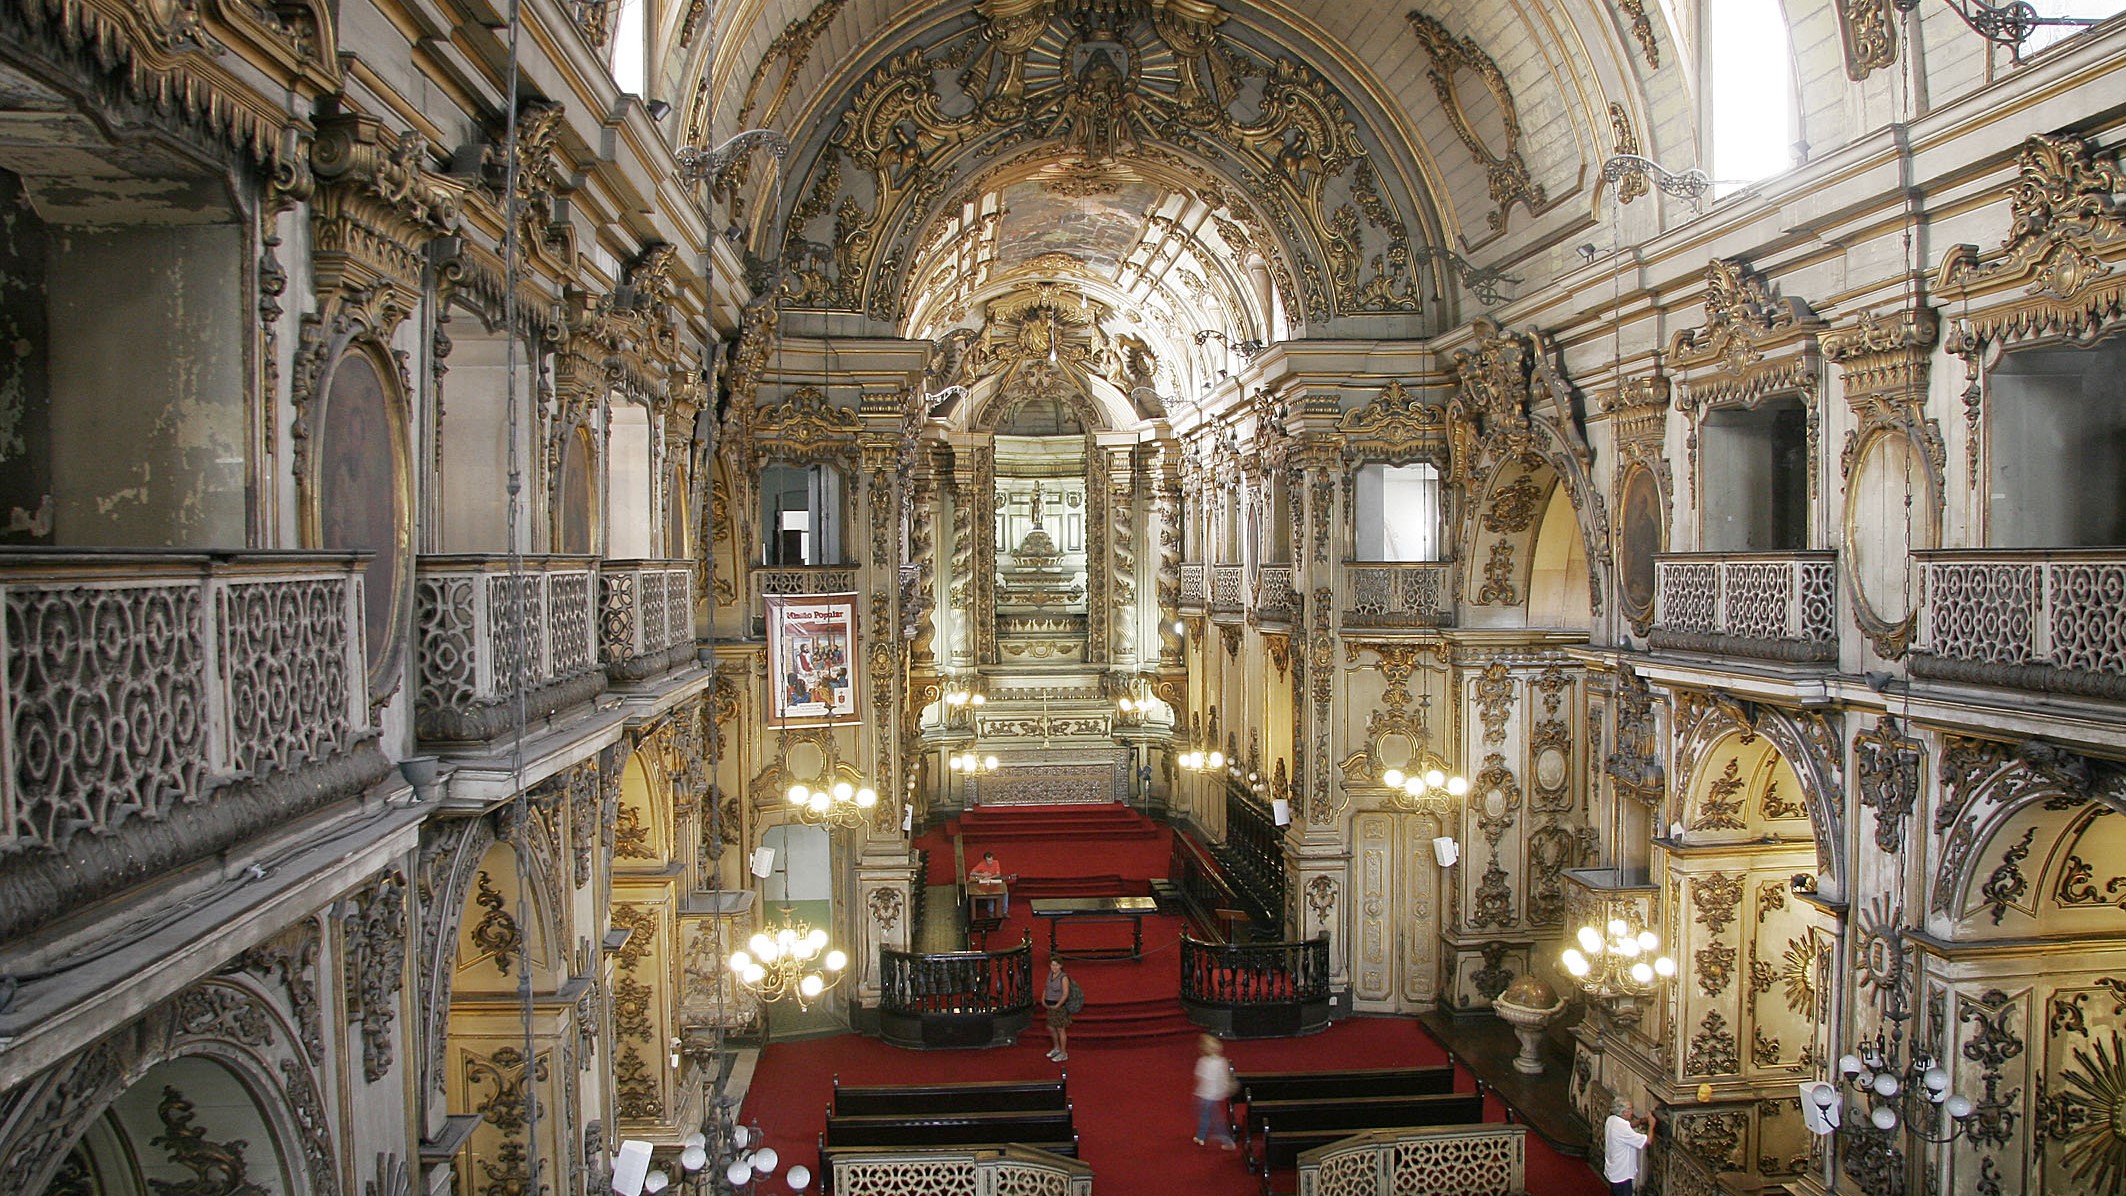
[1982, 611]
[107, 692]
[2088, 616]
[1690, 596]
[568, 601]
[905, 1177]
[1759, 594]
[284, 655]
[443, 615]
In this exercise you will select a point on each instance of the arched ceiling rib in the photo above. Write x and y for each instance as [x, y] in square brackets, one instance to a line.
[1563, 63]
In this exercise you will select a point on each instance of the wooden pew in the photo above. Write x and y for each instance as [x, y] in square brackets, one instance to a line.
[950, 1129]
[1378, 1081]
[1288, 1127]
[995, 1096]
[1316, 1085]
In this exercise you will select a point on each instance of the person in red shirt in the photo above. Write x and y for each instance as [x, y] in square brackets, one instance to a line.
[986, 880]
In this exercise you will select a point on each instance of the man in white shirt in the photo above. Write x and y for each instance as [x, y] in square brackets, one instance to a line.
[1622, 1139]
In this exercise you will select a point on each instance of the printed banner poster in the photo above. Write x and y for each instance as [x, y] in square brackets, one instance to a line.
[812, 657]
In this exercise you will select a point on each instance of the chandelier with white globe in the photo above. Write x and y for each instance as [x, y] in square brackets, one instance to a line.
[1615, 961]
[791, 960]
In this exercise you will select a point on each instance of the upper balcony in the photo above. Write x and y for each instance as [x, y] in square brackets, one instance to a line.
[492, 625]
[1397, 594]
[1766, 606]
[1228, 589]
[1195, 585]
[645, 617]
[2041, 619]
[161, 707]
[1274, 596]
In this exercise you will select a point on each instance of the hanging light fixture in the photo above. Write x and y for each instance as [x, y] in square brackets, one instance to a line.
[1423, 792]
[969, 763]
[842, 803]
[789, 960]
[1615, 960]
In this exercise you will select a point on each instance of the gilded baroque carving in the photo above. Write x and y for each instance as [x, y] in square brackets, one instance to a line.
[1713, 1050]
[1642, 31]
[1715, 896]
[1884, 361]
[376, 967]
[1633, 184]
[2055, 275]
[1721, 807]
[1889, 767]
[886, 906]
[1715, 967]
[1868, 29]
[1508, 174]
[1321, 896]
[218, 1168]
[1492, 903]
[1753, 344]
[496, 933]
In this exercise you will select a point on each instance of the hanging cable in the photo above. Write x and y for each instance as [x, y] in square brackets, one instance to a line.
[519, 605]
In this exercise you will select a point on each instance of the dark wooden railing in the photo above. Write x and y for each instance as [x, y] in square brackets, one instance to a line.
[955, 998]
[1219, 908]
[1254, 845]
[1256, 990]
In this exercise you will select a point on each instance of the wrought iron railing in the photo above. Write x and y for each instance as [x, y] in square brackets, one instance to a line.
[1195, 584]
[154, 706]
[1236, 974]
[645, 616]
[1274, 596]
[2044, 619]
[1485, 1160]
[949, 1171]
[488, 627]
[993, 982]
[1228, 587]
[1769, 606]
[1397, 594]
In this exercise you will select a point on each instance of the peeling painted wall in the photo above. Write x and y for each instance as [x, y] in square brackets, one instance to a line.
[148, 386]
[25, 372]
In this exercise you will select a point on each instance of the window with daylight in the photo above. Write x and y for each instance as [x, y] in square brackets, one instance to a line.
[1750, 88]
[1398, 512]
[2052, 35]
[801, 515]
[631, 47]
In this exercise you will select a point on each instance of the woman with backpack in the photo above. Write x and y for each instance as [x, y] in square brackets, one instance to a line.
[1063, 999]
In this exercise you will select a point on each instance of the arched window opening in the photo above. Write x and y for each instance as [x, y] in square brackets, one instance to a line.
[1398, 514]
[631, 47]
[801, 515]
[1557, 574]
[2058, 451]
[1756, 470]
[1750, 89]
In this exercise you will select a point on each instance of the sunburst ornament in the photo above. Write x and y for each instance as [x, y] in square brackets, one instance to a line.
[1797, 971]
[2095, 1090]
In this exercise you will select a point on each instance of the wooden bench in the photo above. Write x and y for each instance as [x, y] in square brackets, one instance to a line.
[1257, 1086]
[903, 1100]
[950, 1129]
[1286, 1128]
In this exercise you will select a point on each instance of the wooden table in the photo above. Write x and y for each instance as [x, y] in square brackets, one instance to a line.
[1096, 909]
[988, 900]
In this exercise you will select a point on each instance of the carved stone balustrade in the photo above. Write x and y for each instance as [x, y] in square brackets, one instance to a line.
[783, 580]
[487, 627]
[162, 707]
[1406, 594]
[1228, 587]
[645, 617]
[1767, 606]
[1484, 1160]
[2041, 619]
[1195, 585]
[1273, 592]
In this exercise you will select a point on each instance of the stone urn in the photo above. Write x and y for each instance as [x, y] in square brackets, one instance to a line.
[1528, 1005]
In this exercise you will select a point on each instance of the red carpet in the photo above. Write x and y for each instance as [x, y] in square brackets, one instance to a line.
[1132, 1105]
[1056, 851]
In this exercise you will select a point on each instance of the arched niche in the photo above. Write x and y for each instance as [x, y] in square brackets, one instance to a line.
[1642, 535]
[1743, 790]
[575, 511]
[358, 490]
[493, 935]
[2053, 868]
[642, 826]
[1558, 577]
[187, 1121]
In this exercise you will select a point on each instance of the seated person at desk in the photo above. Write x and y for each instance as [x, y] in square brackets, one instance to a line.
[985, 883]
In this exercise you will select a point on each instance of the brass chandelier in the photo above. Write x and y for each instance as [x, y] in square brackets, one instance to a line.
[790, 960]
[1614, 961]
[843, 803]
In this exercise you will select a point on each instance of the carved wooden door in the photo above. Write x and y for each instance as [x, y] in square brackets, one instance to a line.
[1395, 932]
